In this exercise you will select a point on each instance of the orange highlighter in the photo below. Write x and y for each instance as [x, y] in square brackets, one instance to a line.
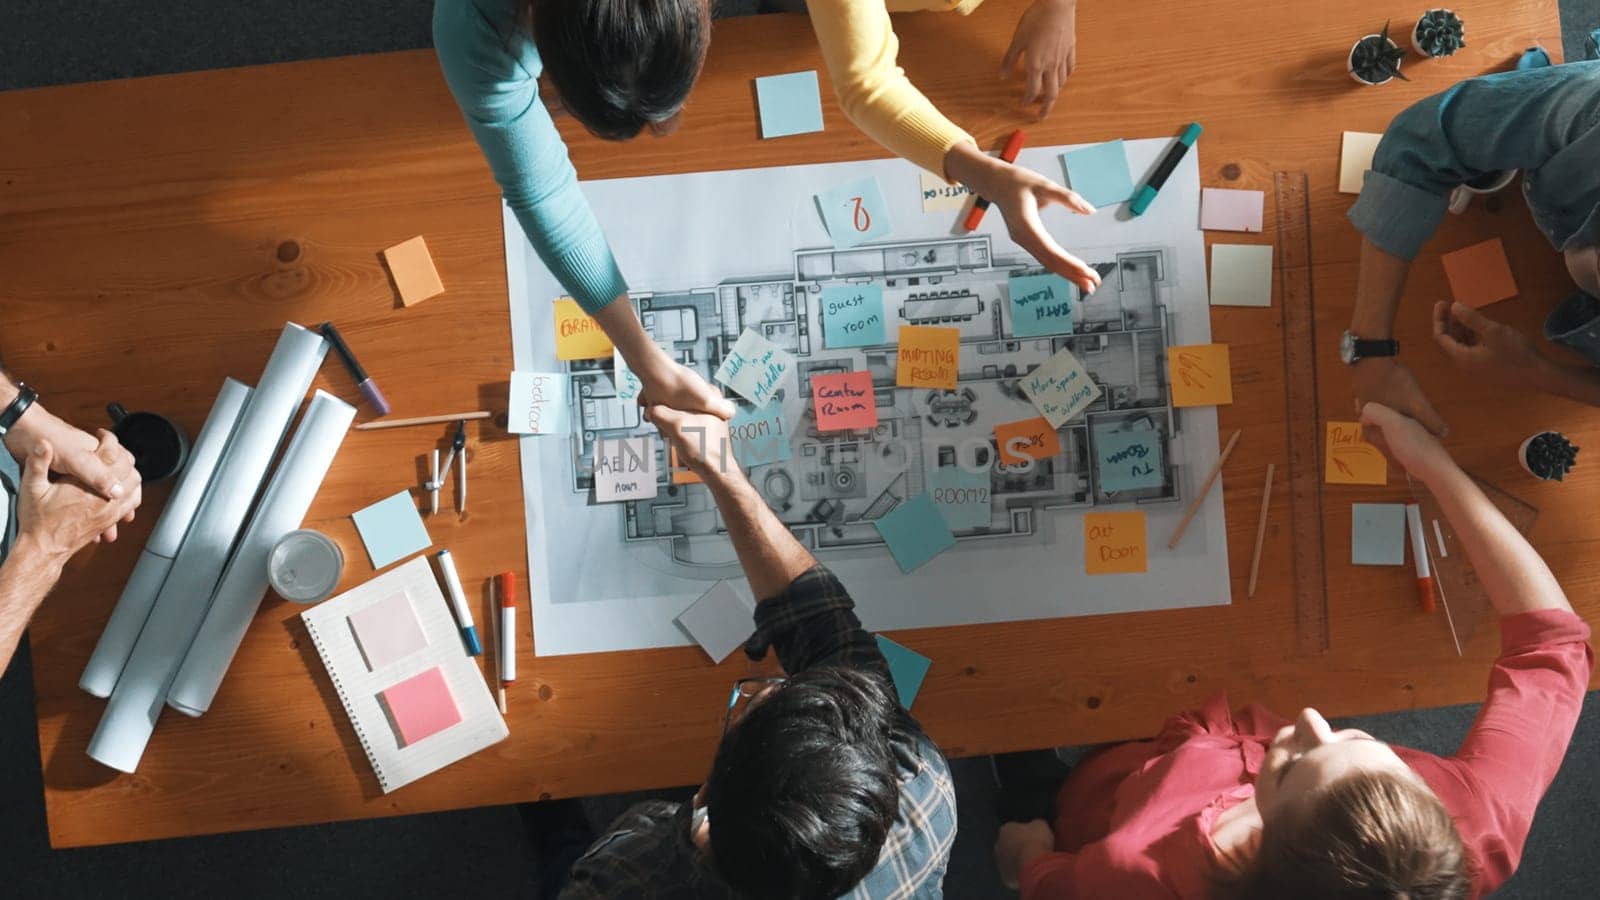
[1419, 552]
[1009, 154]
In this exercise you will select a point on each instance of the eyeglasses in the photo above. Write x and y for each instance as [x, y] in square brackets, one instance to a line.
[746, 691]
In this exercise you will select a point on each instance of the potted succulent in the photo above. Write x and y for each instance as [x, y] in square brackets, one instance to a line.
[1548, 455]
[1439, 32]
[1375, 59]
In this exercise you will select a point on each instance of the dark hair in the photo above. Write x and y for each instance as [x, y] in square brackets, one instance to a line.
[621, 65]
[805, 788]
[1367, 836]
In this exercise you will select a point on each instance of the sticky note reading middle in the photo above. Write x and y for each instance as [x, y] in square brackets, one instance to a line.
[1200, 375]
[852, 315]
[1060, 388]
[1350, 459]
[855, 213]
[755, 367]
[928, 357]
[1114, 543]
[578, 335]
[624, 469]
[1041, 305]
[844, 401]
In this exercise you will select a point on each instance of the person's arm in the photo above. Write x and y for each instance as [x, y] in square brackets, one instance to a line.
[75, 452]
[1494, 352]
[26, 576]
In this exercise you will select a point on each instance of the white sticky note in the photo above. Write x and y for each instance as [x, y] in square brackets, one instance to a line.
[624, 468]
[941, 196]
[755, 367]
[1223, 209]
[1060, 387]
[628, 384]
[720, 621]
[539, 404]
[1355, 158]
[1241, 274]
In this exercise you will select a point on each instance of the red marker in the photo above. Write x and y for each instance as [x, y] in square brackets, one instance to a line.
[1009, 154]
[508, 627]
[1419, 551]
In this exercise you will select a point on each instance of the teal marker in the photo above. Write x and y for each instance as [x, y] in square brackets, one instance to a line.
[1147, 194]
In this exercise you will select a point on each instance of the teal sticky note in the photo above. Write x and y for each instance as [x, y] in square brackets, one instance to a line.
[915, 532]
[962, 496]
[855, 213]
[1099, 172]
[907, 668]
[1378, 534]
[1041, 305]
[852, 315]
[392, 529]
[759, 435]
[1128, 460]
[789, 104]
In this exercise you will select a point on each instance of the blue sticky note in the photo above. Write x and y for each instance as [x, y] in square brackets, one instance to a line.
[852, 315]
[962, 496]
[855, 213]
[759, 435]
[1041, 305]
[789, 104]
[1100, 173]
[907, 668]
[1129, 460]
[915, 532]
[392, 529]
[1378, 534]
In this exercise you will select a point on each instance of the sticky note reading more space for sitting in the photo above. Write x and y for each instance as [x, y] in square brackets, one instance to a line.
[1223, 209]
[1099, 173]
[1060, 388]
[388, 631]
[844, 401]
[1355, 158]
[421, 706]
[755, 367]
[915, 532]
[1350, 459]
[907, 669]
[1480, 274]
[720, 621]
[1114, 543]
[1241, 274]
[1378, 534]
[411, 265]
[759, 436]
[852, 315]
[928, 357]
[1041, 305]
[578, 335]
[392, 529]
[1200, 375]
[1025, 440]
[962, 496]
[1129, 460]
[624, 468]
[855, 213]
[538, 404]
[789, 104]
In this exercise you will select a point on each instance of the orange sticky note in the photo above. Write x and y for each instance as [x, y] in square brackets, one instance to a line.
[1200, 375]
[1114, 543]
[1025, 440]
[844, 401]
[578, 335]
[1350, 459]
[929, 357]
[1480, 275]
[412, 267]
[681, 474]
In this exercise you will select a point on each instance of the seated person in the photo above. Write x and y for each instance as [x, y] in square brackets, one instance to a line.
[1248, 804]
[44, 522]
[1543, 121]
[822, 785]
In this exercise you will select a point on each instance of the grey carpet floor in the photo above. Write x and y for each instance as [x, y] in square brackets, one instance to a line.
[482, 852]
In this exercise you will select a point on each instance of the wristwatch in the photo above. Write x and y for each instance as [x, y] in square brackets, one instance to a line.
[25, 397]
[1353, 349]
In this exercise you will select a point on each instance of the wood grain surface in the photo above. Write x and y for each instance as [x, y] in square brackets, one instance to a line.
[156, 233]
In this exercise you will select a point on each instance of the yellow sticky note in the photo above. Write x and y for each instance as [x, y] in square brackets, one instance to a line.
[1114, 543]
[1350, 459]
[1200, 375]
[1355, 158]
[578, 335]
[929, 357]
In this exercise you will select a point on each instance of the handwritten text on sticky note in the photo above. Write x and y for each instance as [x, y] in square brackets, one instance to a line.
[759, 435]
[1129, 460]
[538, 404]
[755, 367]
[1028, 439]
[928, 357]
[624, 469]
[1350, 459]
[1041, 305]
[1200, 375]
[578, 335]
[852, 315]
[628, 384]
[844, 401]
[1114, 543]
[1060, 388]
[940, 196]
[962, 496]
[855, 213]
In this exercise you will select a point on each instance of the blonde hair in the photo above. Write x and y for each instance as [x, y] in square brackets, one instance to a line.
[1367, 835]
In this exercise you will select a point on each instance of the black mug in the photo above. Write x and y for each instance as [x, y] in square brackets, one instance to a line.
[159, 446]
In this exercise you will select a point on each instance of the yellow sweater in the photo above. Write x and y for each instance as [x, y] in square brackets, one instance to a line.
[859, 47]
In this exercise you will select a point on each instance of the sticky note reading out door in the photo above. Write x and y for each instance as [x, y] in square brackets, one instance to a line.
[1025, 440]
[1350, 459]
[928, 357]
[578, 335]
[1200, 375]
[855, 213]
[1114, 543]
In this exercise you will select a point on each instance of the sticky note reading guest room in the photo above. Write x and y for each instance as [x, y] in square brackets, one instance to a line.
[578, 336]
[1114, 543]
[852, 315]
[929, 357]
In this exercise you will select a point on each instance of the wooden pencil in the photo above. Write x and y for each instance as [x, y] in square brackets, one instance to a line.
[1261, 529]
[423, 420]
[1199, 498]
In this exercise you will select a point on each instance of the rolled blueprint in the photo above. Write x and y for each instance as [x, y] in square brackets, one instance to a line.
[130, 715]
[133, 607]
[280, 511]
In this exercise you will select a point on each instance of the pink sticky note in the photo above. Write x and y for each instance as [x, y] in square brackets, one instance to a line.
[844, 401]
[1222, 209]
[387, 631]
[421, 706]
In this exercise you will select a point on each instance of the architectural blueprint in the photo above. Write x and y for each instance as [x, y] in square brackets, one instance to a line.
[614, 576]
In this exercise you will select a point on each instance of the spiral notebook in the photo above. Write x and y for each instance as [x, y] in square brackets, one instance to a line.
[416, 699]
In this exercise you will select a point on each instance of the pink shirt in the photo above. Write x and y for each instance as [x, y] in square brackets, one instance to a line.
[1134, 820]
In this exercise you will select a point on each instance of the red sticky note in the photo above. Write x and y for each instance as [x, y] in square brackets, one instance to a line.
[421, 706]
[1480, 275]
[844, 401]
[1025, 440]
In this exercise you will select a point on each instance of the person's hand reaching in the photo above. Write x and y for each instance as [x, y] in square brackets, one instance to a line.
[1404, 440]
[59, 518]
[102, 465]
[682, 389]
[1489, 351]
[1045, 48]
[701, 441]
[1387, 381]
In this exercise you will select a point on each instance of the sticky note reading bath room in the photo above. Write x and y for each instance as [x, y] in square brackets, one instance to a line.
[1200, 375]
[855, 213]
[1041, 305]
[759, 436]
[755, 367]
[929, 357]
[538, 404]
[1114, 543]
[578, 335]
[1060, 388]
[844, 401]
[1129, 460]
[1025, 440]
[624, 469]
[852, 315]
[1350, 459]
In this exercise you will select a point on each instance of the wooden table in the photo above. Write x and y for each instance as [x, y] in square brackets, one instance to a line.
[155, 234]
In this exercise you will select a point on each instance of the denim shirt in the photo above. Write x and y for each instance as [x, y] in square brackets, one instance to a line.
[1544, 121]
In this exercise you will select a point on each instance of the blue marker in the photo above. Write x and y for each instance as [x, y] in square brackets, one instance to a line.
[1147, 194]
[458, 601]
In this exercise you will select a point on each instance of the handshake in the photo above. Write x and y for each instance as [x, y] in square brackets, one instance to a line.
[692, 416]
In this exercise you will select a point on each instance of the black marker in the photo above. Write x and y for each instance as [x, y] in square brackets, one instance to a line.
[1147, 194]
[367, 387]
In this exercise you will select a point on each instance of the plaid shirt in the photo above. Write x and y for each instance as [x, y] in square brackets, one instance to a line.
[648, 852]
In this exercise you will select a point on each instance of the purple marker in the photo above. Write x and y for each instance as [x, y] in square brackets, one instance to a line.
[368, 387]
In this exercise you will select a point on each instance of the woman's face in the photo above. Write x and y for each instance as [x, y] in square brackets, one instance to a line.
[1309, 755]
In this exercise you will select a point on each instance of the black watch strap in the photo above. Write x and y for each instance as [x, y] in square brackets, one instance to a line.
[24, 399]
[1368, 349]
